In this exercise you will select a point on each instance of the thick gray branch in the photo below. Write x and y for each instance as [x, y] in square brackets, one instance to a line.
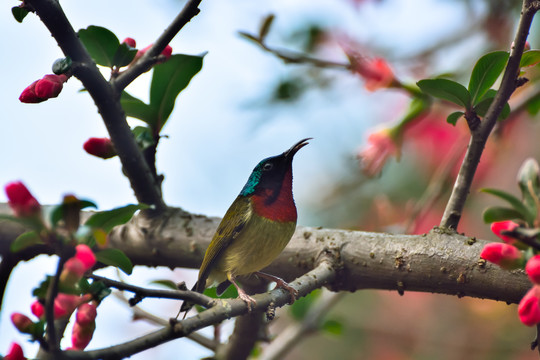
[436, 262]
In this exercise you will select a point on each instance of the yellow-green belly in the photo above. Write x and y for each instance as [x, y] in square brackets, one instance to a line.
[259, 243]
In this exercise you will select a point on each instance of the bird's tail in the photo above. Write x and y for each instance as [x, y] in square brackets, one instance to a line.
[186, 305]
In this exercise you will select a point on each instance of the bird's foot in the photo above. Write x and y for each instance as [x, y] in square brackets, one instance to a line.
[251, 302]
[280, 283]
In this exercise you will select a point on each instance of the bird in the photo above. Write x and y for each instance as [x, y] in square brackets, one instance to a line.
[255, 229]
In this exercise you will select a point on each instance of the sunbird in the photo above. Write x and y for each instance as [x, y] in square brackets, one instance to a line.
[255, 229]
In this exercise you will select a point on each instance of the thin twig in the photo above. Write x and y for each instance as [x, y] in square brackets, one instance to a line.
[290, 336]
[139, 313]
[146, 61]
[454, 208]
[191, 296]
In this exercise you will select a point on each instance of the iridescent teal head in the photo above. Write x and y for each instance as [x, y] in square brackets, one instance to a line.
[270, 172]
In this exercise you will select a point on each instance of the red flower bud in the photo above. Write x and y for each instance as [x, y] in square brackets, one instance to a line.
[533, 269]
[72, 272]
[50, 86]
[86, 256]
[15, 352]
[21, 200]
[508, 225]
[86, 314]
[505, 255]
[167, 52]
[47, 87]
[29, 96]
[100, 147]
[81, 335]
[22, 323]
[529, 307]
[37, 309]
[65, 304]
[130, 42]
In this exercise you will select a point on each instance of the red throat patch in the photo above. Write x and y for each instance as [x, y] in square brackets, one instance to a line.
[282, 209]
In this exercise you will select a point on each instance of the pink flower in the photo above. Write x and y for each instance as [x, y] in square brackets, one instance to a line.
[505, 255]
[85, 255]
[72, 272]
[85, 324]
[48, 87]
[380, 147]
[21, 200]
[37, 309]
[533, 269]
[500, 226]
[15, 352]
[65, 304]
[100, 147]
[529, 307]
[130, 42]
[81, 336]
[22, 323]
[86, 314]
[167, 52]
[376, 72]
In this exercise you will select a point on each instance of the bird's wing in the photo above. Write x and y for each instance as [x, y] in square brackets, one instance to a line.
[231, 225]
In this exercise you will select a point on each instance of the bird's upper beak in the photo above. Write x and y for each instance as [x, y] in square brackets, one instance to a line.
[294, 149]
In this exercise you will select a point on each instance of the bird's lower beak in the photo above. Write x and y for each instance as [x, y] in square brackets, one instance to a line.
[294, 149]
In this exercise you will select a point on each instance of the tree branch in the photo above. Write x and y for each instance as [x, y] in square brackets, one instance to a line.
[144, 184]
[437, 262]
[146, 61]
[454, 207]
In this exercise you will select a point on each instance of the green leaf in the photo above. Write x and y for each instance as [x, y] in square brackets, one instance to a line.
[40, 292]
[57, 212]
[485, 73]
[494, 214]
[116, 258]
[533, 106]
[19, 13]
[454, 117]
[301, 306]
[143, 136]
[447, 90]
[137, 108]
[530, 58]
[98, 289]
[124, 55]
[168, 80]
[101, 43]
[332, 327]
[516, 203]
[165, 283]
[482, 106]
[106, 220]
[25, 240]
[529, 184]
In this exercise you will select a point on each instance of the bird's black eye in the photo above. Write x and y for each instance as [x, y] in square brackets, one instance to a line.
[268, 166]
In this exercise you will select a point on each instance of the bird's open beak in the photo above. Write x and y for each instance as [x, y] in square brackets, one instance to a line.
[294, 149]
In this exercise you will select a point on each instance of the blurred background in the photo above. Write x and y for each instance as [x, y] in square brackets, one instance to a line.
[245, 105]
